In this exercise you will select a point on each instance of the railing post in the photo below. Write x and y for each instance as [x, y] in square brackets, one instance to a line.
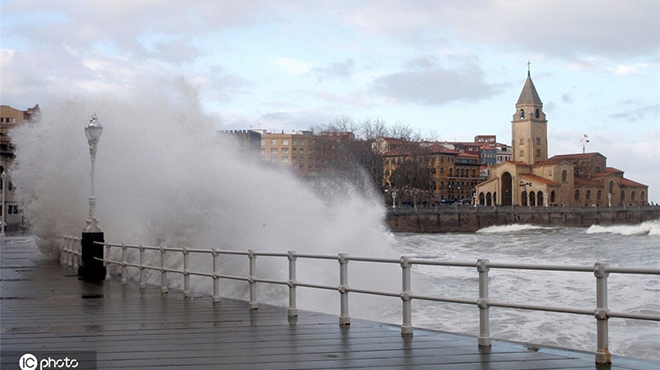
[62, 247]
[142, 284]
[77, 253]
[482, 303]
[216, 280]
[163, 273]
[603, 355]
[105, 259]
[70, 255]
[344, 318]
[186, 274]
[253, 305]
[124, 278]
[406, 326]
[293, 311]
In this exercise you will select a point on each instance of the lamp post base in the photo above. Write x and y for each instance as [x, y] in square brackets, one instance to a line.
[91, 268]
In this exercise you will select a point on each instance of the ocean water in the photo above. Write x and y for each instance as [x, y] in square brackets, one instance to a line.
[629, 246]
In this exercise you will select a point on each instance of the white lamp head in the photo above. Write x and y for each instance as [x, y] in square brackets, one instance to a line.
[93, 130]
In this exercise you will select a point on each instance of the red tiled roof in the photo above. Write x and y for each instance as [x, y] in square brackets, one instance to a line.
[575, 156]
[634, 184]
[609, 171]
[540, 179]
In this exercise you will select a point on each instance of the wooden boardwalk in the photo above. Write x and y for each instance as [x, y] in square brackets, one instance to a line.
[46, 309]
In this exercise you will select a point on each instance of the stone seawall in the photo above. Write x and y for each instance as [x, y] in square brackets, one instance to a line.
[470, 219]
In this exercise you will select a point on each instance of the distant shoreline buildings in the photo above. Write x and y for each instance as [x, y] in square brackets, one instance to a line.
[483, 172]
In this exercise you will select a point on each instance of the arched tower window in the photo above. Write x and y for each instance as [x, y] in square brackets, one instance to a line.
[564, 176]
[522, 114]
[538, 113]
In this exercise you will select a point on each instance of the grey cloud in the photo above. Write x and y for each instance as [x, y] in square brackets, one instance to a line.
[570, 28]
[637, 114]
[288, 121]
[335, 70]
[429, 84]
[176, 51]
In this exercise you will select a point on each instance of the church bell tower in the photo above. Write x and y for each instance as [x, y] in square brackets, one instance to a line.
[529, 128]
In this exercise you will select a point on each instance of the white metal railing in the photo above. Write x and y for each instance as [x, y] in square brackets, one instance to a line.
[70, 249]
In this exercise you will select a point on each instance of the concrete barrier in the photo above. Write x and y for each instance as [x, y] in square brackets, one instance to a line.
[471, 219]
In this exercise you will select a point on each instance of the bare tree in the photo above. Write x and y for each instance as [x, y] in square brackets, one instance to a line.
[353, 159]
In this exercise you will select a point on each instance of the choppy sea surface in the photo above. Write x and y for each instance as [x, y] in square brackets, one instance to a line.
[626, 246]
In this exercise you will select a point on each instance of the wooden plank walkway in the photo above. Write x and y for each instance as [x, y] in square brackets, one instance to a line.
[45, 308]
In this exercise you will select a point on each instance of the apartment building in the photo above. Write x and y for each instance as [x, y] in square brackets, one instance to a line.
[296, 150]
[11, 118]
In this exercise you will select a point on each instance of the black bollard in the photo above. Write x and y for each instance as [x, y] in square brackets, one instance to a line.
[92, 268]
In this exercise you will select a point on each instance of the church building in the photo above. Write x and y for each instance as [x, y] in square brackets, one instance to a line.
[533, 179]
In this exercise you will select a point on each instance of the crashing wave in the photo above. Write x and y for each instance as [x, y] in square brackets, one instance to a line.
[511, 228]
[645, 228]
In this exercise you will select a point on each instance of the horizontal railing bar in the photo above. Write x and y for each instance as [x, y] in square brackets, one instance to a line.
[278, 282]
[230, 252]
[517, 266]
[633, 270]
[413, 261]
[271, 254]
[203, 251]
[232, 277]
[194, 273]
[373, 292]
[541, 308]
[624, 315]
[317, 286]
[379, 260]
[317, 256]
[443, 299]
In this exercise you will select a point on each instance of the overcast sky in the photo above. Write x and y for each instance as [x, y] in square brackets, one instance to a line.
[454, 68]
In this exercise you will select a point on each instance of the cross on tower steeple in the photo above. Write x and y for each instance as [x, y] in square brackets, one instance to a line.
[529, 68]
